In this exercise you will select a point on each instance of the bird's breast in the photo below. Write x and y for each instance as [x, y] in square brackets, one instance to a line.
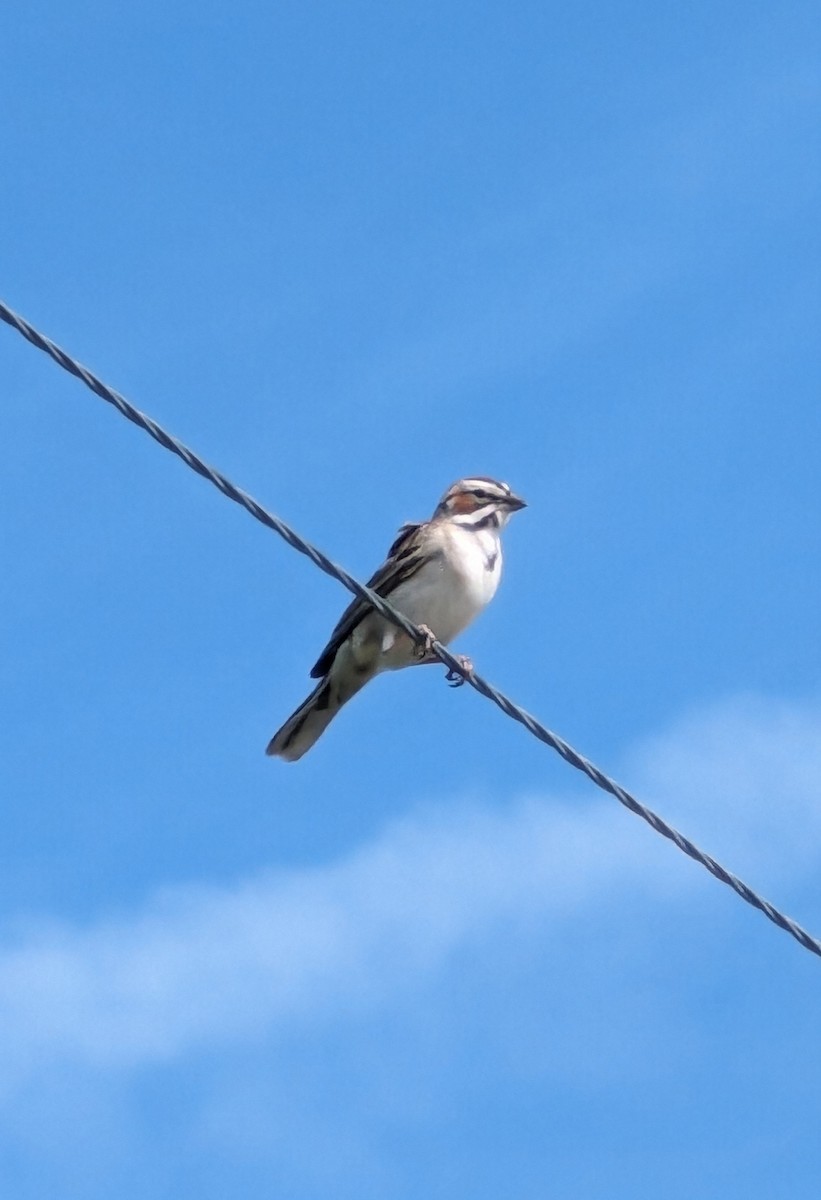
[450, 590]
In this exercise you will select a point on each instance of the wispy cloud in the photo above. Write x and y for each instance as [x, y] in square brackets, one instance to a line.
[744, 776]
[592, 248]
[214, 967]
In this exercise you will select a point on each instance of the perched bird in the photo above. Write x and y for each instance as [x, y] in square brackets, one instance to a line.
[439, 573]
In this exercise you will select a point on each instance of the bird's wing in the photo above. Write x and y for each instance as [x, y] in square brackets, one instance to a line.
[402, 562]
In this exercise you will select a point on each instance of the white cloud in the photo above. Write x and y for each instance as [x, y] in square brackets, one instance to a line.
[743, 775]
[211, 967]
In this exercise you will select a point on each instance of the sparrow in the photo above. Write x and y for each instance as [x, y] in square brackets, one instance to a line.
[439, 573]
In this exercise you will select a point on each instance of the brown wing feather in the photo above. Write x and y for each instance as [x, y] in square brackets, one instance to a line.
[395, 569]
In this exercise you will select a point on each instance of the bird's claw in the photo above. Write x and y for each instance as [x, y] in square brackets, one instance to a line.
[454, 678]
[425, 653]
[424, 650]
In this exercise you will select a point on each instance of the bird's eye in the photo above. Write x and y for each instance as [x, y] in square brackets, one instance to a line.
[481, 494]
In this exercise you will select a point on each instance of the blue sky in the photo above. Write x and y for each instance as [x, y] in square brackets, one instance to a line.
[350, 253]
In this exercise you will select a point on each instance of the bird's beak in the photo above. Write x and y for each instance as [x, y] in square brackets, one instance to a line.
[514, 503]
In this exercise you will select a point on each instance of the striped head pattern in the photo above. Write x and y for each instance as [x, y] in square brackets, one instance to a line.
[479, 502]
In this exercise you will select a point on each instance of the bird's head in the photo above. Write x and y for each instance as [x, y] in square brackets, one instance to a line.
[479, 503]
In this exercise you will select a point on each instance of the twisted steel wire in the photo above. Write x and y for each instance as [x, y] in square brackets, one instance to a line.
[512, 710]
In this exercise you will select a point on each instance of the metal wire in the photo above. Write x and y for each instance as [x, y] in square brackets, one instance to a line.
[419, 636]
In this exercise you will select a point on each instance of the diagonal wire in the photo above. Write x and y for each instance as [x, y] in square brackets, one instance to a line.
[391, 614]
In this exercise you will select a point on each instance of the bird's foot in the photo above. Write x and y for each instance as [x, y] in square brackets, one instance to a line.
[424, 650]
[454, 678]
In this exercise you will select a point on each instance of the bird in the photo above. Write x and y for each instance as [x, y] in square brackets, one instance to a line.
[440, 574]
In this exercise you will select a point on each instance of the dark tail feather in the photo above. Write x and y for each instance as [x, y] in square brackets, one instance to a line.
[309, 721]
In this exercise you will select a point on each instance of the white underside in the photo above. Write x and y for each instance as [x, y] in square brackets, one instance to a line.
[445, 595]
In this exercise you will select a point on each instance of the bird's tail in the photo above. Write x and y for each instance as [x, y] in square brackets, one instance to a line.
[310, 720]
